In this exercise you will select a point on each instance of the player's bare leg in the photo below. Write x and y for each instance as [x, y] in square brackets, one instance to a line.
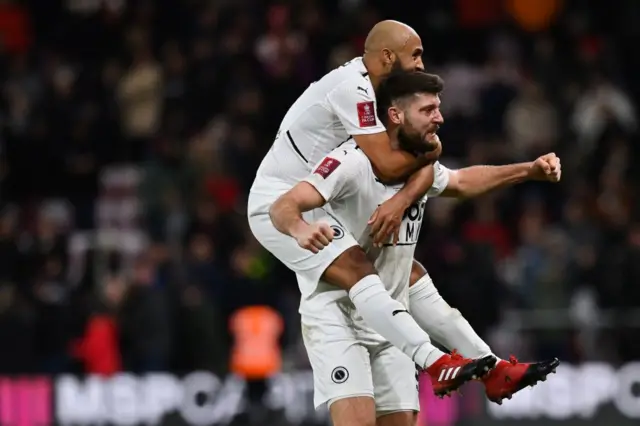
[354, 411]
[352, 271]
[398, 418]
[447, 326]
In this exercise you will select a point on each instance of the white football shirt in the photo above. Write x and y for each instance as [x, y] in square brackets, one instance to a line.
[346, 180]
[329, 113]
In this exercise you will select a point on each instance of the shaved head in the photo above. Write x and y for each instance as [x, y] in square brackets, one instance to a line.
[392, 45]
[392, 35]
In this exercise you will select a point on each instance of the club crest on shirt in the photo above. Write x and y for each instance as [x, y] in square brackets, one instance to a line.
[327, 167]
[337, 232]
[366, 114]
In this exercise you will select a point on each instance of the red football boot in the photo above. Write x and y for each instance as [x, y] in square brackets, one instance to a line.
[452, 371]
[511, 376]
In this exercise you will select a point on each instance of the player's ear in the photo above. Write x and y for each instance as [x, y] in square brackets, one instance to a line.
[388, 57]
[395, 115]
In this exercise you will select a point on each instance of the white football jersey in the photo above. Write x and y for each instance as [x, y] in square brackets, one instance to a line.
[347, 182]
[330, 112]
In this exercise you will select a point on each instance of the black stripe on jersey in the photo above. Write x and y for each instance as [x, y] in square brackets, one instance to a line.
[293, 144]
[345, 141]
[399, 244]
[366, 73]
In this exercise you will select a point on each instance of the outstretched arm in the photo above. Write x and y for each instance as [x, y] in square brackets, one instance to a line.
[476, 180]
[463, 183]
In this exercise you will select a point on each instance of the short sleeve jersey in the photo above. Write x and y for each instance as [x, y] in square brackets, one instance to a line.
[329, 113]
[345, 179]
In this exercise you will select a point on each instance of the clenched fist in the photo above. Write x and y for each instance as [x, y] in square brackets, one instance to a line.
[315, 236]
[547, 168]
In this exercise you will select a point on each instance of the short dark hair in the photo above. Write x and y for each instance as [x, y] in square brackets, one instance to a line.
[404, 84]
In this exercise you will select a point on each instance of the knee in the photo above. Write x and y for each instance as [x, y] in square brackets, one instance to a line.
[400, 418]
[349, 268]
[364, 420]
[357, 411]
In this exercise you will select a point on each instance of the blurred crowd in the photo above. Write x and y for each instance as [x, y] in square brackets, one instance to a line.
[131, 132]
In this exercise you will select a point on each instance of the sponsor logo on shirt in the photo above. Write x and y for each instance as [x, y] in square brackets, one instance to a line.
[327, 167]
[366, 114]
[412, 222]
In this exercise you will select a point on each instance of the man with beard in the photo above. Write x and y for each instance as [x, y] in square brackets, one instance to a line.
[359, 373]
[340, 108]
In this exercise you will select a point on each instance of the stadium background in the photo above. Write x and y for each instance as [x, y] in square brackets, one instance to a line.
[131, 131]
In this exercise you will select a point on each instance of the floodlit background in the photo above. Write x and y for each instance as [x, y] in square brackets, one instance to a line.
[131, 132]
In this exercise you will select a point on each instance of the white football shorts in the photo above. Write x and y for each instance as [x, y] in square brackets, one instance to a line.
[349, 359]
[308, 266]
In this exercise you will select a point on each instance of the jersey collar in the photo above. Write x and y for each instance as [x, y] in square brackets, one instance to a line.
[361, 68]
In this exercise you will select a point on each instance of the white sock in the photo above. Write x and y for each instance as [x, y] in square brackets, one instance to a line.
[445, 324]
[376, 306]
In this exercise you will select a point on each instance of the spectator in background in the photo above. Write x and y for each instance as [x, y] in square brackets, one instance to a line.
[500, 88]
[46, 260]
[15, 28]
[81, 172]
[256, 355]
[629, 346]
[600, 107]
[203, 342]
[243, 149]
[531, 258]
[140, 96]
[51, 297]
[531, 122]
[23, 89]
[487, 228]
[145, 323]
[167, 191]
[203, 271]
[18, 330]
[11, 269]
[279, 48]
[99, 349]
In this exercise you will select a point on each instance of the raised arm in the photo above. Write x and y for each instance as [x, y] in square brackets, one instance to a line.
[476, 180]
